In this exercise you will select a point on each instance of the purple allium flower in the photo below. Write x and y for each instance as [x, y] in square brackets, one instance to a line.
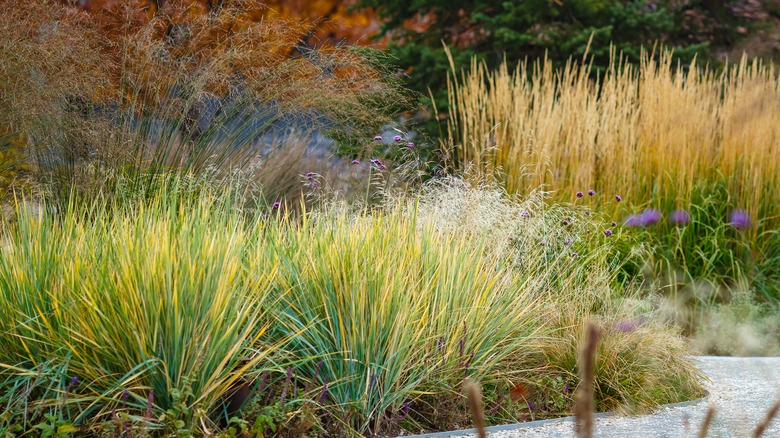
[276, 205]
[651, 216]
[607, 232]
[356, 162]
[740, 219]
[410, 145]
[74, 380]
[591, 192]
[648, 217]
[580, 194]
[309, 175]
[679, 217]
[406, 409]
[525, 214]
[567, 242]
[575, 255]
[397, 138]
[618, 198]
[614, 224]
[378, 138]
[379, 163]
[634, 220]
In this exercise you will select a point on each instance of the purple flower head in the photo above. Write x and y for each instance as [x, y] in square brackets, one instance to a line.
[565, 222]
[634, 220]
[740, 219]
[531, 405]
[648, 217]
[355, 162]
[580, 194]
[378, 138]
[125, 395]
[410, 145]
[74, 380]
[406, 409]
[542, 243]
[371, 381]
[575, 255]
[567, 242]
[626, 326]
[310, 175]
[566, 388]
[679, 217]
[651, 216]
[397, 138]
[614, 224]
[618, 198]
[591, 192]
[379, 163]
[525, 214]
[607, 232]
[587, 212]
[276, 205]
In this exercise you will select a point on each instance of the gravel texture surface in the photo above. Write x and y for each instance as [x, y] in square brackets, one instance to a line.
[740, 389]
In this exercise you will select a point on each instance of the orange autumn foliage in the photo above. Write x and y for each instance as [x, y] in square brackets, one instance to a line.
[158, 42]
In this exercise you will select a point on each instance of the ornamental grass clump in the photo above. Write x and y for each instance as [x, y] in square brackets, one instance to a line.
[179, 311]
[150, 304]
[655, 133]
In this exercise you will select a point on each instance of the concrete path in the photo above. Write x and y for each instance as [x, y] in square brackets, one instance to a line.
[741, 389]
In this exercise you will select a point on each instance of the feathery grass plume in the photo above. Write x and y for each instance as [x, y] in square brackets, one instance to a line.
[655, 125]
[474, 395]
[137, 94]
[705, 425]
[764, 424]
[584, 406]
[655, 133]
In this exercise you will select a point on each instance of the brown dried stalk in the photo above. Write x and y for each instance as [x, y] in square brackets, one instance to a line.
[705, 426]
[583, 407]
[768, 419]
[474, 395]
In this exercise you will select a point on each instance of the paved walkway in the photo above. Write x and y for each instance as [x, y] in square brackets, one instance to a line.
[741, 389]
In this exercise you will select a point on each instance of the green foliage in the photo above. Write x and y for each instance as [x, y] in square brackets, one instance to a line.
[709, 249]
